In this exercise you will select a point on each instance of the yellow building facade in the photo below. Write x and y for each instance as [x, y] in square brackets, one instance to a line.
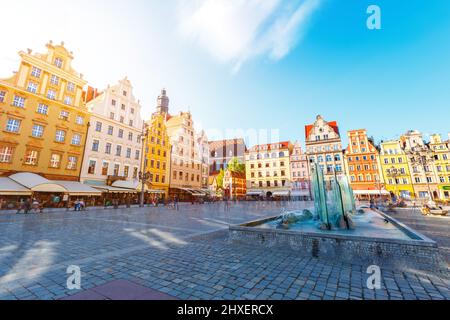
[395, 168]
[157, 154]
[43, 118]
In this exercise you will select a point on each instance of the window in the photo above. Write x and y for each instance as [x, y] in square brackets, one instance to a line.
[68, 100]
[98, 126]
[120, 133]
[37, 131]
[128, 153]
[130, 136]
[60, 136]
[55, 161]
[76, 139]
[113, 102]
[135, 172]
[110, 130]
[95, 145]
[79, 120]
[2, 96]
[118, 151]
[124, 93]
[13, 125]
[51, 94]
[58, 62]
[70, 87]
[126, 171]
[116, 169]
[19, 102]
[108, 148]
[112, 115]
[54, 80]
[72, 163]
[42, 109]
[105, 167]
[64, 115]
[132, 112]
[131, 123]
[31, 157]
[5, 154]
[122, 119]
[91, 168]
[123, 106]
[137, 155]
[36, 72]
[32, 87]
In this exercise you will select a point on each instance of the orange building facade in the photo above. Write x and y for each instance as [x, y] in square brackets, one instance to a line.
[362, 162]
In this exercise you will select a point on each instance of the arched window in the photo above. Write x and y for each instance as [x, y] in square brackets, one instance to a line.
[329, 159]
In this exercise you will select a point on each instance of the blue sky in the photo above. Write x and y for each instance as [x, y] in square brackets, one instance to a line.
[256, 64]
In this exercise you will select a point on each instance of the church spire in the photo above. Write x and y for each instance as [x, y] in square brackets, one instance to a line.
[162, 105]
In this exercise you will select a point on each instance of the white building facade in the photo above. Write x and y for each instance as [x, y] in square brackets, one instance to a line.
[114, 144]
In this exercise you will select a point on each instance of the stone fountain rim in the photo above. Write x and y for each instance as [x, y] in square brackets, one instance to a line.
[418, 239]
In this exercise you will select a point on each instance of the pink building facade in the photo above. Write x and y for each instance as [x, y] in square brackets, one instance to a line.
[300, 175]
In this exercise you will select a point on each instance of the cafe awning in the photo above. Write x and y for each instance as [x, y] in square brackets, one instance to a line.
[36, 183]
[74, 188]
[370, 192]
[255, 193]
[283, 193]
[110, 189]
[300, 193]
[156, 191]
[9, 187]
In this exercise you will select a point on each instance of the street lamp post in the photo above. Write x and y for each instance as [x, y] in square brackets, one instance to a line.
[394, 174]
[143, 177]
[420, 155]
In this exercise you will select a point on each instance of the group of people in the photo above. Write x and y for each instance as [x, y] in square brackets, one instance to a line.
[30, 204]
[79, 205]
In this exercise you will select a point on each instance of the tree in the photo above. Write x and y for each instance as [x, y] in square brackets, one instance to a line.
[236, 165]
[219, 179]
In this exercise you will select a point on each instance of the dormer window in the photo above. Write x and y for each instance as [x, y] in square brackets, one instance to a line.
[59, 62]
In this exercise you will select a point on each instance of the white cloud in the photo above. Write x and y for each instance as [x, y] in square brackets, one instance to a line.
[233, 31]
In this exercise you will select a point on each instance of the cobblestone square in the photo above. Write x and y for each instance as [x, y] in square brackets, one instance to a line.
[186, 255]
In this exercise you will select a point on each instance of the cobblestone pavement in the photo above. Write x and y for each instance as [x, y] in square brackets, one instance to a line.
[434, 227]
[184, 254]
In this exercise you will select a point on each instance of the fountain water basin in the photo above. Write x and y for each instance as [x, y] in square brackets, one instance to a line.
[336, 231]
[377, 239]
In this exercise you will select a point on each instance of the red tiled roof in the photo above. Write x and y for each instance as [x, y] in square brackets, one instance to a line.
[332, 124]
[284, 144]
[214, 145]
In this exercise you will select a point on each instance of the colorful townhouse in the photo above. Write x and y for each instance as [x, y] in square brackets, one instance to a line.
[235, 184]
[157, 149]
[324, 146]
[114, 142]
[300, 175]
[268, 170]
[43, 118]
[395, 168]
[362, 164]
[441, 154]
[421, 165]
